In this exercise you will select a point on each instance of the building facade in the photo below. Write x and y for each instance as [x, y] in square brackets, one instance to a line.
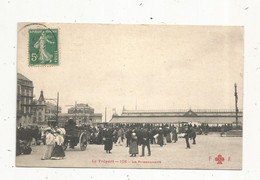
[38, 110]
[81, 109]
[82, 114]
[43, 112]
[24, 100]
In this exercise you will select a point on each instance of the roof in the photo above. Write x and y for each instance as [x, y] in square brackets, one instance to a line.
[22, 77]
[24, 81]
[182, 112]
[82, 106]
[174, 119]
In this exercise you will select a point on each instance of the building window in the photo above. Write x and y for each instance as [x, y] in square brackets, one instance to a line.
[18, 106]
[40, 118]
[18, 90]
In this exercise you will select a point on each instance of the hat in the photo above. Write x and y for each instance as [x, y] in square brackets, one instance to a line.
[61, 131]
[57, 132]
[47, 129]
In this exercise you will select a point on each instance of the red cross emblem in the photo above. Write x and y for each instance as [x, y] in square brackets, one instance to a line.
[219, 159]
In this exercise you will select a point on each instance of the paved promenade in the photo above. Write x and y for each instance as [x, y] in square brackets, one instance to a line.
[173, 155]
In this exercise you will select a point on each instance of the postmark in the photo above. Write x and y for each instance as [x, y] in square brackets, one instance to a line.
[43, 47]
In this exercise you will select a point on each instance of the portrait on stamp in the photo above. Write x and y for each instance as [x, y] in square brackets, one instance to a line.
[43, 47]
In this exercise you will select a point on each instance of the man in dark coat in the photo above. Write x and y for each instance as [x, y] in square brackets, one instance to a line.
[165, 133]
[71, 129]
[190, 134]
[128, 137]
[174, 135]
[145, 141]
[36, 134]
[187, 136]
[193, 135]
[153, 133]
[139, 134]
[100, 135]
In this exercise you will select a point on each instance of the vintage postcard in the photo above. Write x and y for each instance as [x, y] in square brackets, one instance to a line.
[129, 96]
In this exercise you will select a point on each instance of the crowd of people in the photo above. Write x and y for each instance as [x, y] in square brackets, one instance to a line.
[33, 135]
[26, 136]
[130, 136]
[138, 135]
[54, 144]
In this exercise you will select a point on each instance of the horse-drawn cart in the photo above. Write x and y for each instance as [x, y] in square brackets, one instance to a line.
[75, 136]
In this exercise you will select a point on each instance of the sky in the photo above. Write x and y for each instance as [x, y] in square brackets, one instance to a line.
[151, 66]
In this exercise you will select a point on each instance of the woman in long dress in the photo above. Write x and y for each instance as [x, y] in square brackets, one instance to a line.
[49, 144]
[58, 152]
[160, 137]
[108, 135]
[41, 45]
[133, 147]
[169, 135]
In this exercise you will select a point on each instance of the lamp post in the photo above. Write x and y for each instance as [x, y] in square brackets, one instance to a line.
[57, 102]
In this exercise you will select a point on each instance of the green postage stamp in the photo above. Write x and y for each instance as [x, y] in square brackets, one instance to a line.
[43, 47]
